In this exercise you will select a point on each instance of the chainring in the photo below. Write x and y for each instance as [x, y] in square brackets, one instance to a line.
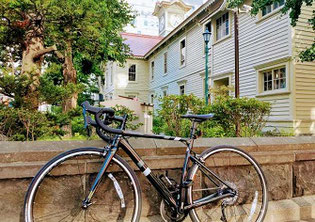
[165, 212]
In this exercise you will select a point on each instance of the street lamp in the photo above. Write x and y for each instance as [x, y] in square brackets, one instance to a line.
[206, 36]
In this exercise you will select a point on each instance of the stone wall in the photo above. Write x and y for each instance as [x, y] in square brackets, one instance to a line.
[288, 163]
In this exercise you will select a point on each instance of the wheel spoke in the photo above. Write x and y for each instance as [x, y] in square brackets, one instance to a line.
[58, 195]
[246, 179]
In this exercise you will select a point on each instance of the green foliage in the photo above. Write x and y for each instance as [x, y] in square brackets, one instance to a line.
[293, 7]
[251, 114]
[309, 54]
[86, 31]
[131, 124]
[171, 108]
[56, 93]
[22, 124]
[279, 133]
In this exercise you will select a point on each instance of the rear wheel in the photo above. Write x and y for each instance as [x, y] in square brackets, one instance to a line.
[242, 173]
[58, 190]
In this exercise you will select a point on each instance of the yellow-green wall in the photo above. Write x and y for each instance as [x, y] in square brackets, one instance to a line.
[304, 82]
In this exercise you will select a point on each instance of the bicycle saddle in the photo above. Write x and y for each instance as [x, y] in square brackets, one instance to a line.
[198, 118]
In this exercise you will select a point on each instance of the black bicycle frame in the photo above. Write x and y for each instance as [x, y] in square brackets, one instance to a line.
[120, 141]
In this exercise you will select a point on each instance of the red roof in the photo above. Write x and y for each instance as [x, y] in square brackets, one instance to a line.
[140, 44]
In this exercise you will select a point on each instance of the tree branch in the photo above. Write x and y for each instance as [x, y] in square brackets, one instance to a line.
[59, 55]
[42, 52]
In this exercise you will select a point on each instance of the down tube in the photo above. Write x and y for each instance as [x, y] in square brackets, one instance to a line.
[157, 183]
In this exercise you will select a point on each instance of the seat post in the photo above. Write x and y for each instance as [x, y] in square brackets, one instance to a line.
[193, 129]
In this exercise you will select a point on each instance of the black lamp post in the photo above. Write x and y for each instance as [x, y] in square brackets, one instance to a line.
[206, 36]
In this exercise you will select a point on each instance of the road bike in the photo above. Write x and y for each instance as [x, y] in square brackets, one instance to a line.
[222, 183]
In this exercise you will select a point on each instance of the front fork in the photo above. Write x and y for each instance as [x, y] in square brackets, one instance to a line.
[109, 153]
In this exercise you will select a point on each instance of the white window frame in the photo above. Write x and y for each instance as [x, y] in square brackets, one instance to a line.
[182, 83]
[273, 11]
[135, 72]
[260, 80]
[229, 27]
[273, 8]
[180, 92]
[164, 89]
[220, 77]
[180, 53]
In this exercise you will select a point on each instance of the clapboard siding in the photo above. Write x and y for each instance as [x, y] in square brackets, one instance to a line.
[121, 86]
[190, 73]
[304, 74]
[262, 42]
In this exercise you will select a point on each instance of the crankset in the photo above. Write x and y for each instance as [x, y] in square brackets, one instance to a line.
[169, 216]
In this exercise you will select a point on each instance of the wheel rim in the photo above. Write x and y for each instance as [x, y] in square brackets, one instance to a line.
[61, 188]
[239, 170]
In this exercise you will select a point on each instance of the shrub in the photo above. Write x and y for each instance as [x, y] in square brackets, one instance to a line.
[171, 108]
[22, 124]
[121, 110]
[249, 113]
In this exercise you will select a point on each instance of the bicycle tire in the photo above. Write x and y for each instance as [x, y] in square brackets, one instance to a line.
[43, 194]
[250, 204]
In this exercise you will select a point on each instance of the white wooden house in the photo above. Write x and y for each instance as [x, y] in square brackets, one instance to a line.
[269, 66]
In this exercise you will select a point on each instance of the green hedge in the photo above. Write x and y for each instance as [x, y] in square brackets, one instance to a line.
[248, 114]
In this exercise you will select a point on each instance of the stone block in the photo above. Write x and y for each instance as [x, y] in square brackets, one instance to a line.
[279, 181]
[12, 199]
[304, 179]
[282, 211]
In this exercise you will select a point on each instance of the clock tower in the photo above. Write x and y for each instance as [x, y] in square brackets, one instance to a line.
[171, 14]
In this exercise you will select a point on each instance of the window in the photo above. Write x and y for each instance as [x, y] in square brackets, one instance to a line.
[181, 89]
[182, 46]
[164, 92]
[165, 62]
[207, 26]
[222, 26]
[132, 73]
[152, 70]
[274, 79]
[272, 7]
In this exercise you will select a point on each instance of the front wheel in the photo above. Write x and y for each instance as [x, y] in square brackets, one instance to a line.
[57, 191]
[239, 171]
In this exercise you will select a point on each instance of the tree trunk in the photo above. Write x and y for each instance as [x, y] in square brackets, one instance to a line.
[70, 76]
[32, 58]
